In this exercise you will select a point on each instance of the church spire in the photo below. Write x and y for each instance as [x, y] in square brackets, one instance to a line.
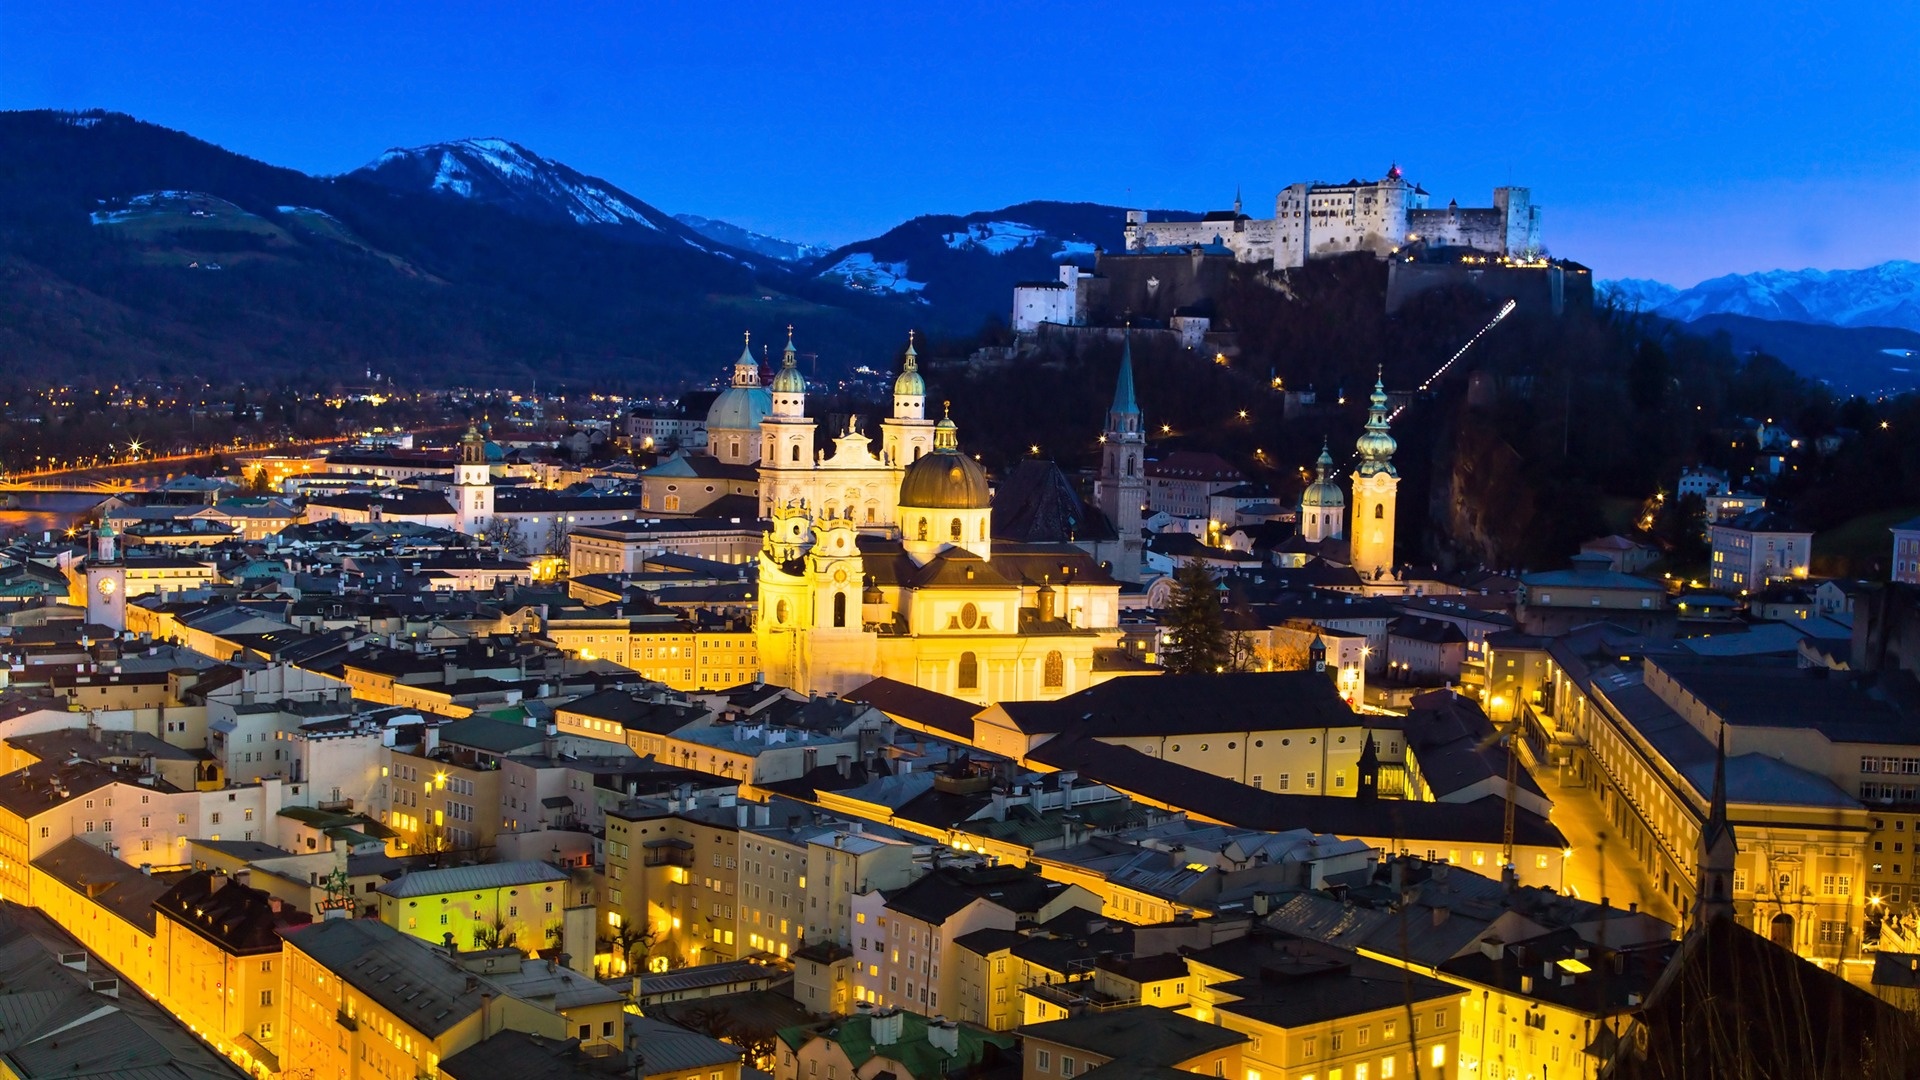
[1125, 414]
[1718, 848]
[1376, 445]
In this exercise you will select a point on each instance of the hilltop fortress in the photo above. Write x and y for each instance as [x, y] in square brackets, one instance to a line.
[1317, 220]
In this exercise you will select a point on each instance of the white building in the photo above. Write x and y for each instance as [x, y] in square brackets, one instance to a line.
[1757, 548]
[1318, 220]
[1062, 302]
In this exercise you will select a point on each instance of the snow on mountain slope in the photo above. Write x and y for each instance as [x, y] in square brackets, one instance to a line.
[861, 272]
[509, 175]
[1639, 294]
[726, 232]
[1883, 295]
[995, 237]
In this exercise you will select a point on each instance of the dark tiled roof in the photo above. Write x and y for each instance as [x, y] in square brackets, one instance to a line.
[939, 893]
[1140, 1034]
[1291, 982]
[402, 974]
[1036, 503]
[925, 707]
[1180, 704]
[107, 881]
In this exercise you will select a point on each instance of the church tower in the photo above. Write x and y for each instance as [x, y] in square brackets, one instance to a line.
[1323, 506]
[1375, 484]
[1123, 479]
[907, 435]
[106, 579]
[1713, 895]
[473, 484]
[786, 443]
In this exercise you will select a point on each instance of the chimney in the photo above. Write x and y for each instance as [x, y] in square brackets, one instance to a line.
[944, 1035]
[886, 1026]
[1441, 915]
[1262, 904]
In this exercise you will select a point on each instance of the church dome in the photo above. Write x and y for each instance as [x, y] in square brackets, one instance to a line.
[910, 384]
[788, 379]
[744, 404]
[739, 408]
[1323, 493]
[945, 479]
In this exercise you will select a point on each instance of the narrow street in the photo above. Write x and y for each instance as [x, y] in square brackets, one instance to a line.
[1600, 865]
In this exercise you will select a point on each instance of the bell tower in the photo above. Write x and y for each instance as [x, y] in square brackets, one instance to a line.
[106, 580]
[1123, 478]
[786, 435]
[1375, 486]
[473, 484]
[907, 435]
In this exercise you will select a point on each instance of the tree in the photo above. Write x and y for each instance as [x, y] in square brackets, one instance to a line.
[1196, 635]
[494, 935]
[1243, 653]
[504, 534]
[634, 940]
[1286, 652]
[259, 483]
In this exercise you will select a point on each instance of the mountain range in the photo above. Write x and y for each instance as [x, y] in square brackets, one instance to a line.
[1883, 295]
[127, 249]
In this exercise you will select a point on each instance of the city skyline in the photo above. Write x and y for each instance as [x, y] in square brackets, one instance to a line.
[1656, 141]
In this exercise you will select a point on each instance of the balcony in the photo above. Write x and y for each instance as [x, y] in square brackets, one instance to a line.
[346, 1021]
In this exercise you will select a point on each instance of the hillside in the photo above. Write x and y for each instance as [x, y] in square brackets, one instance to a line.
[1866, 360]
[963, 268]
[106, 270]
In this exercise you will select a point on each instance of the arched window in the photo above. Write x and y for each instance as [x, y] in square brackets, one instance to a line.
[1055, 675]
[796, 451]
[923, 528]
[780, 613]
[1379, 511]
[983, 528]
[953, 529]
[1129, 464]
[917, 451]
[768, 452]
[969, 671]
[839, 609]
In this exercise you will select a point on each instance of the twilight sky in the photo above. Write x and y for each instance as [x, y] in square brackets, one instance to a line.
[1676, 141]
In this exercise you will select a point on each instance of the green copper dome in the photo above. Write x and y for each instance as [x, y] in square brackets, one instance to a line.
[788, 379]
[1375, 445]
[1323, 492]
[945, 479]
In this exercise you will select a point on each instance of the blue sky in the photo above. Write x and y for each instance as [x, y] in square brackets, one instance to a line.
[1676, 141]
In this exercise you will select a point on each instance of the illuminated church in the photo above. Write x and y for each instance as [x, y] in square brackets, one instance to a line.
[1366, 521]
[887, 565]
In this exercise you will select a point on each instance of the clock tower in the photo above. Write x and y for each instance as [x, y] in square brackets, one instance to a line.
[106, 580]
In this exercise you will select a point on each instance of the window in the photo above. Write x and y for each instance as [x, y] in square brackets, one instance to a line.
[1056, 671]
[1379, 511]
[969, 672]
[1285, 780]
[1310, 1046]
[953, 530]
[1066, 1065]
[266, 997]
[1042, 1060]
[1339, 1041]
[840, 609]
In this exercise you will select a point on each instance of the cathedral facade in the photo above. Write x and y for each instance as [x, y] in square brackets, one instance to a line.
[888, 566]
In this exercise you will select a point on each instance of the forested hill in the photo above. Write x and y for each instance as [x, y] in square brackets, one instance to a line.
[127, 249]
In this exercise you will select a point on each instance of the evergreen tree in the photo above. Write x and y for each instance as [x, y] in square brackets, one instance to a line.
[1196, 640]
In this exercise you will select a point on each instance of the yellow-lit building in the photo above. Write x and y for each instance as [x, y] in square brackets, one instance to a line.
[222, 976]
[672, 883]
[1310, 1010]
[1141, 1036]
[442, 805]
[105, 904]
[682, 656]
[888, 566]
[490, 906]
[362, 1000]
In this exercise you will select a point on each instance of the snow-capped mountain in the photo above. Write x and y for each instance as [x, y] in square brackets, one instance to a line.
[1883, 295]
[971, 262]
[734, 236]
[1639, 294]
[510, 176]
